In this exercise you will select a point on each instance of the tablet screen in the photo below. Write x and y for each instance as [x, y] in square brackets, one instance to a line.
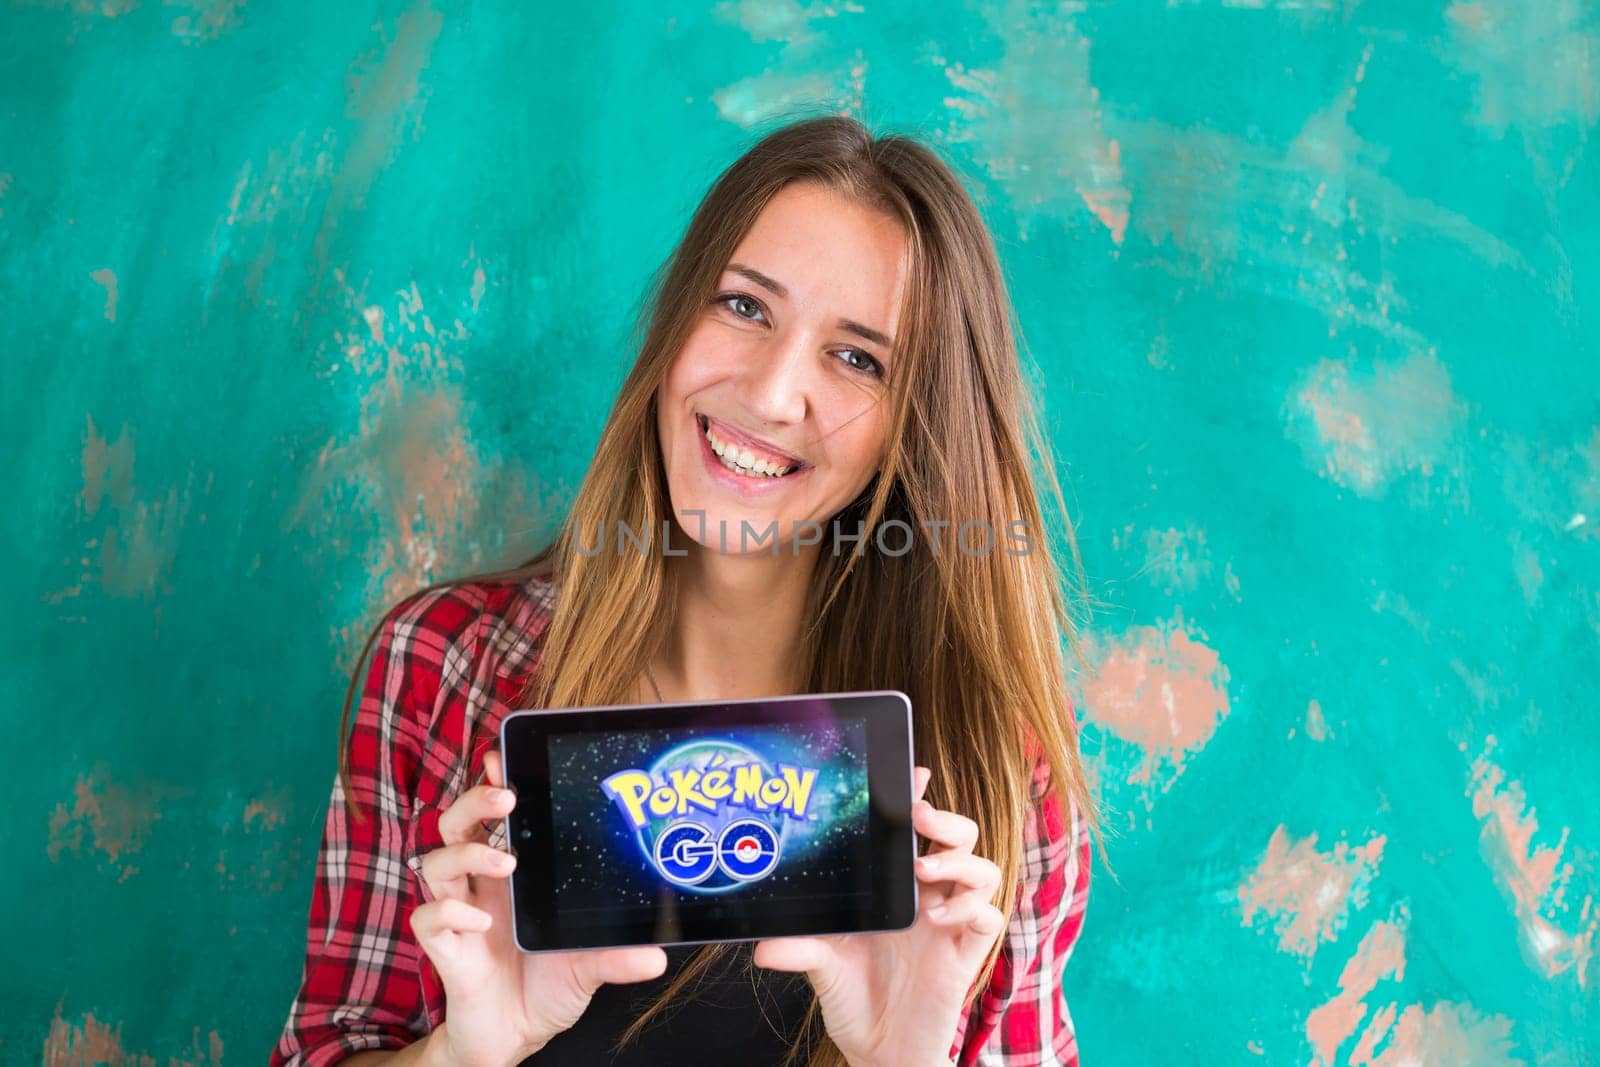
[665, 824]
[768, 812]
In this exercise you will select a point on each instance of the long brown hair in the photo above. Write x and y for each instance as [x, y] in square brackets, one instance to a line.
[974, 638]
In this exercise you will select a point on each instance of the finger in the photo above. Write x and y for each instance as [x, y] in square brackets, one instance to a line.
[449, 916]
[441, 926]
[944, 828]
[492, 769]
[962, 868]
[971, 911]
[920, 777]
[463, 820]
[618, 966]
[810, 954]
[446, 870]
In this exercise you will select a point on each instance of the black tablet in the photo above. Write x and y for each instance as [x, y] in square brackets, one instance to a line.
[726, 820]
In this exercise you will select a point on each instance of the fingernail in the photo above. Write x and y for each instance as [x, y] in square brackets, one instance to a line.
[927, 864]
[937, 910]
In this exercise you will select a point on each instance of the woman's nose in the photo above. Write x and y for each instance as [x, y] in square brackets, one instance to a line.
[777, 381]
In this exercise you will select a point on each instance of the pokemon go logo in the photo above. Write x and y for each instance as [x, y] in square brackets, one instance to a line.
[709, 815]
[686, 853]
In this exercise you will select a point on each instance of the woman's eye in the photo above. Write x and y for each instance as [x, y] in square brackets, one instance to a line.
[859, 360]
[741, 305]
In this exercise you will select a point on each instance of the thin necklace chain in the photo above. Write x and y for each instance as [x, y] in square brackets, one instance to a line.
[651, 674]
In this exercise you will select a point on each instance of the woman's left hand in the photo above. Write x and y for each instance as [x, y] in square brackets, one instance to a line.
[895, 998]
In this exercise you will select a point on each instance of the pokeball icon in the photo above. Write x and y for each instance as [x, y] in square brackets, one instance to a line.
[748, 849]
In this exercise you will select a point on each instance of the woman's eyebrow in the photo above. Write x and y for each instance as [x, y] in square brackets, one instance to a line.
[781, 291]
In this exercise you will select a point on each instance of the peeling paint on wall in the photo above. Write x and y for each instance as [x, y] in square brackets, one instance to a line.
[1393, 1034]
[107, 817]
[134, 555]
[1401, 419]
[1557, 935]
[96, 1044]
[1307, 894]
[1379, 957]
[107, 280]
[1164, 692]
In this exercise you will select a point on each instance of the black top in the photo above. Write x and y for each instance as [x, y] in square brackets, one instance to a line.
[735, 1016]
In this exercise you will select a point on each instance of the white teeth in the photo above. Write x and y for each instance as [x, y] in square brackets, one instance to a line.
[743, 461]
[760, 469]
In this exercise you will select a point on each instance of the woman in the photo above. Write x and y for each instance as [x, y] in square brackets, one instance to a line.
[827, 366]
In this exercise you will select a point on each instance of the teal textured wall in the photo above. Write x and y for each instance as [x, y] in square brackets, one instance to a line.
[308, 304]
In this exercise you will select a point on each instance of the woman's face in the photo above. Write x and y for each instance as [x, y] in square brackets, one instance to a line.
[775, 411]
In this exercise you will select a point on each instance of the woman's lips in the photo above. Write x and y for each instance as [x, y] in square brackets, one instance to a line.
[748, 485]
[727, 435]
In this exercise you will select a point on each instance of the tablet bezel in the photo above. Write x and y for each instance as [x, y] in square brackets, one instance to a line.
[681, 918]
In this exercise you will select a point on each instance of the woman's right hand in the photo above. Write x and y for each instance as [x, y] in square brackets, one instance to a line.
[502, 1004]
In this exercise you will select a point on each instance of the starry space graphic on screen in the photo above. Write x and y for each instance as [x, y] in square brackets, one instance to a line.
[769, 812]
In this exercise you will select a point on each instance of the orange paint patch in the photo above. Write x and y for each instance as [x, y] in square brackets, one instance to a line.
[209, 20]
[1375, 1031]
[1368, 428]
[1309, 894]
[106, 817]
[137, 555]
[1160, 689]
[133, 556]
[412, 453]
[94, 1044]
[1444, 1033]
[409, 458]
[1050, 150]
[1316, 725]
[1381, 954]
[267, 812]
[1534, 876]
[108, 9]
[91, 1043]
[107, 470]
[388, 79]
[1396, 1036]
[107, 279]
[1108, 198]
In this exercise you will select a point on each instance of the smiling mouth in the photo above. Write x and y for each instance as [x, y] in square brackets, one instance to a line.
[743, 460]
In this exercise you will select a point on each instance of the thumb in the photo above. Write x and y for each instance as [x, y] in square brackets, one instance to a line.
[813, 955]
[618, 965]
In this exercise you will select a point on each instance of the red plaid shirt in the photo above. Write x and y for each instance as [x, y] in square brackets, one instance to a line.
[445, 668]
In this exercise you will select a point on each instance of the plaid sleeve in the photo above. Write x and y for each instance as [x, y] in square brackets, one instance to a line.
[1021, 1019]
[361, 982]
